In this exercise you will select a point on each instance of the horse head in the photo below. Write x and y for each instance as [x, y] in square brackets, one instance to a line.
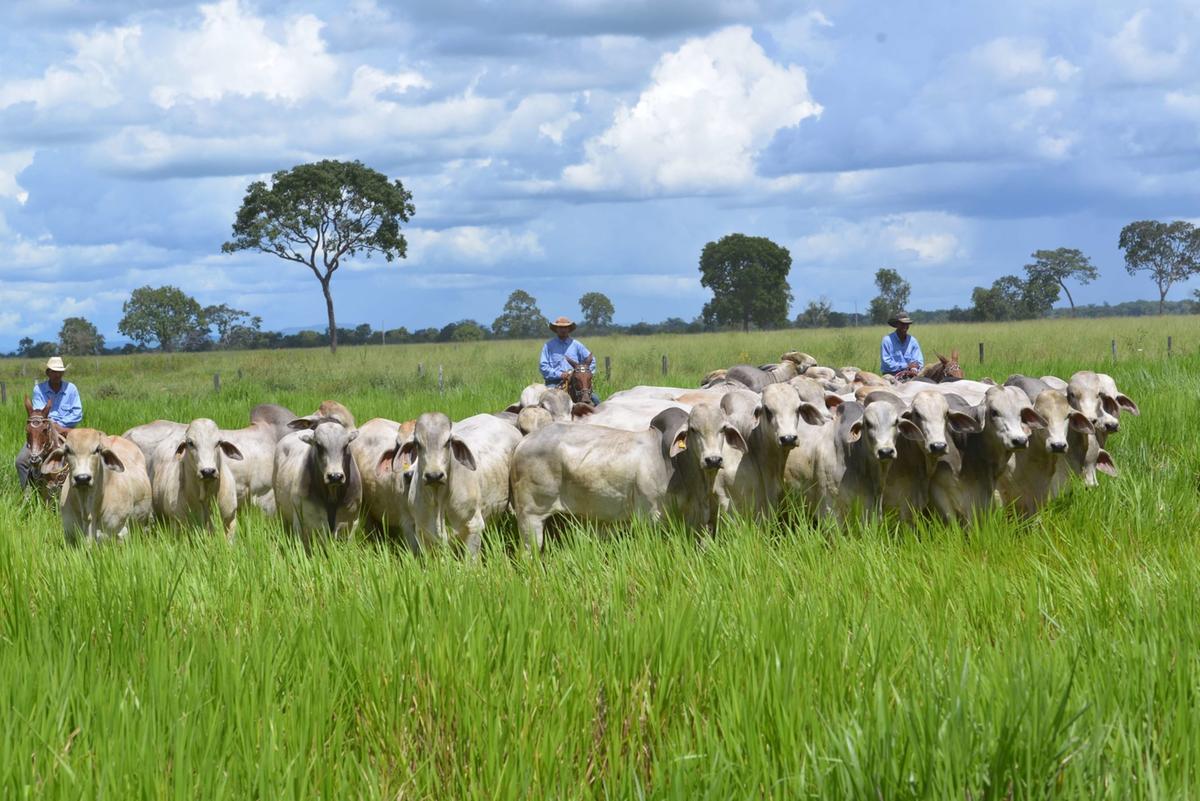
[579, 383]
[40, 432]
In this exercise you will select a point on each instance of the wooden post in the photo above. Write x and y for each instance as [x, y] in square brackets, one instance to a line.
[607, 368]
[666, 364]
[420, 370]
[3, 392]
[239, 374]
[441, 384]
[981, 353]
[1114, 349]
[216, 382]
[1168, 345]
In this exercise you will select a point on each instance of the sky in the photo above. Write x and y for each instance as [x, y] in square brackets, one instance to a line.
[568, 146]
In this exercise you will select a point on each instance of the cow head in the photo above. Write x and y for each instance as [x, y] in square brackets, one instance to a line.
[1008, 417]
[202, 449]
[705, 436]
[330, 458]
[780, 413]
[85, 452]
[433, 449]
[877, 428]
[928, 418]
[1084, 392]
[1060, 419]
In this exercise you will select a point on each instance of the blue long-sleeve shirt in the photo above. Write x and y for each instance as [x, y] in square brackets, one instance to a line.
[554, 358]
[895, 356]
[66, 408]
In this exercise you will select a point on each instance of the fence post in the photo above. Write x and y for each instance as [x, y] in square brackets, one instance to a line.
[607, 368]
[239, 374]
[1168, 345]
[216, 382]
[1114, 349]
[420, 370]
[441, 384]
[981, 353]
[666, 364]
[3, 392]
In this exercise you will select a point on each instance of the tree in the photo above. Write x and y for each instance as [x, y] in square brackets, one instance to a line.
[230, 323]
[1057, 266]
[521, 318]
[815, 314]
[892, 297]
[1170, 252]
[78, 337]
[597, 311]
[24, 346]
[748, 278]
[319, 214]
[166, 315]
[1039, 293]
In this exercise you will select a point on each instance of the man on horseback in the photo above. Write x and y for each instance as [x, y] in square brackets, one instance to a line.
[562, 355]
[65, 410]
[900, 354]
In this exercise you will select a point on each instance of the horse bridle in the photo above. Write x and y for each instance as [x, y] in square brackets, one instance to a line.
[41, 421]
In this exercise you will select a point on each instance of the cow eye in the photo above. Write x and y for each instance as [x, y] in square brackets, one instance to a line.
[191, 443]
[67, 451]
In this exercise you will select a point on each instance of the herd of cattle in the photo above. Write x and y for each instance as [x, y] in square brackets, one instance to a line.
[843, 441]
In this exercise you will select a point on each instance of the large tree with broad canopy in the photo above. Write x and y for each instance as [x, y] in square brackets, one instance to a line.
[319, 214]
[748, 278]
[1170, 252]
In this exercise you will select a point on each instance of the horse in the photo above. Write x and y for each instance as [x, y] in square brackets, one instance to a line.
[579, 383]
[943, 369]
[43, 438]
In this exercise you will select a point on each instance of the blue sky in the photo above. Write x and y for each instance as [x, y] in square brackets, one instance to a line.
[564, 147]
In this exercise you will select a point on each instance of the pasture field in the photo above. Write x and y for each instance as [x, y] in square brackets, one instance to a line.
[1055, 658]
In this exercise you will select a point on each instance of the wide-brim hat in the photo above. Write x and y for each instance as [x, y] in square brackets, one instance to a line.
[563, 322]
[899, 318]
[55, 363]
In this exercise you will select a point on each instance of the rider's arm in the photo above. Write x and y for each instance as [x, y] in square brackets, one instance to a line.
[548, 365]
[38, 399]
[917, 356]
[890, 361]
[70, 409]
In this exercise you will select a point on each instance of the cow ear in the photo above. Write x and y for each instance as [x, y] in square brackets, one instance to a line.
[832, 400]
[54, 462]
[112, 461]
[734, 439]
[678, 442]
[306, 438]
[963, 423]
[385, 463]
[1105, 463]
[582, 410]
[910, 430]
[811, 414]
[854, 432]
[230, 450]
[1126, 403]
[180, 449]
[300, 424]
[462, 453]
[1110, 406]
[1031, 418]
[353, 435]
[1079, 422]
[513, 407]
[406, 450]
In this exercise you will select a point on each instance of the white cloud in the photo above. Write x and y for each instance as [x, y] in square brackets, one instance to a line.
[1147, 61]
[369, 83]
[11, 165]
[1021, 61]
[554, 129]
[469, 244]
[91, 76]
[711, 106]
[919, 238]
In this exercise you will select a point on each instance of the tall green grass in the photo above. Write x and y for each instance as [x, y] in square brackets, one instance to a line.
[1054, 658]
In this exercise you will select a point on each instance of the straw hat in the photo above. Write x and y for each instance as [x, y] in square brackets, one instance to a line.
[899, 318]
[564, 322]
[55, 363]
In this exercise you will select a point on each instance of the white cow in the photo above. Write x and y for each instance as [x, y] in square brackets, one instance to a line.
[384, 478]
[609, 475]
[1038, 473]
[459, 478]
[631, 413]
[317, 483]
[106, 488]
[192, 475]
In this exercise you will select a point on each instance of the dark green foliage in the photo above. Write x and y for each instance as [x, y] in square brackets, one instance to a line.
[1056, 266]
[79, 337]
[521, 318]
[597, 311]
[165, 316]
[319, 214]
[892, 297]
[1170, 252]
[748, 279]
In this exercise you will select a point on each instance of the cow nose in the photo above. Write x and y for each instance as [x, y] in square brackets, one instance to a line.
[788, 440]
[1019, 443]
[82, 479]
[937, 447]
[886, 453]
[713, 461]
[1113, 426]
[1058, 447]
[334, 478]
[208, 472]
[434, 477]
